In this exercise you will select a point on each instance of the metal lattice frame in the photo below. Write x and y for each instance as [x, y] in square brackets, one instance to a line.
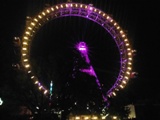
[93, 14]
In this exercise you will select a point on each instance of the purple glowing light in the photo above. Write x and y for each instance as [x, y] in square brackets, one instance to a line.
[91, 8]
[89, 71]
[82, 47]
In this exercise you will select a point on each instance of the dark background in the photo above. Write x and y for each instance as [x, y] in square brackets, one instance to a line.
[139, 18]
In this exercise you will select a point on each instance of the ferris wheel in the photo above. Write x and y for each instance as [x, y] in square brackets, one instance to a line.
[90, 13]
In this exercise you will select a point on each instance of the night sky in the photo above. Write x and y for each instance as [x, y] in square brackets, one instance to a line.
[139, 18]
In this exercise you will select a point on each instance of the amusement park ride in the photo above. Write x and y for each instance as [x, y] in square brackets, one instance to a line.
[91, 13]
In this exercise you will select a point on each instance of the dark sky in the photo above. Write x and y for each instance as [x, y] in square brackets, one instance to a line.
[140, 18]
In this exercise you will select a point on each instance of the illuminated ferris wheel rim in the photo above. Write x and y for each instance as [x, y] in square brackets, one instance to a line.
[93, 14]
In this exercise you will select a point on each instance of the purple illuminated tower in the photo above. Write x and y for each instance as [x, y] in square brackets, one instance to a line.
[83, 50]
